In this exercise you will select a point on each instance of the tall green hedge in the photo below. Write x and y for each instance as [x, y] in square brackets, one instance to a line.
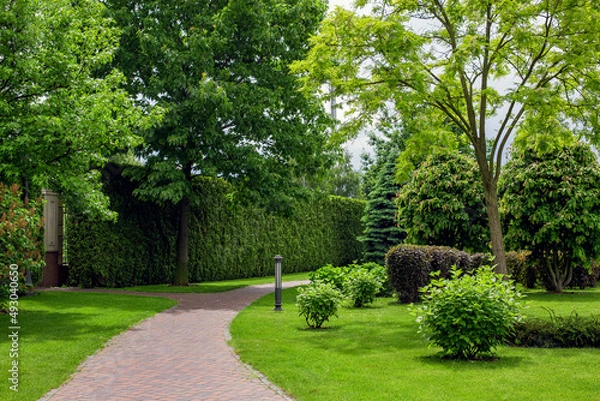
[227, 240]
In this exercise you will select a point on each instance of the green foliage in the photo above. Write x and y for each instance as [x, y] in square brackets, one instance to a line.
[443, 204]
[468, 315]
[573, 331]
[62, 110]
[551, 207]
[228, 240]
[447, 72]
[233, 110]
[317, 302]
[410, 267]
[21, 236]
[381, 228]
[329, 274]
[362, 287]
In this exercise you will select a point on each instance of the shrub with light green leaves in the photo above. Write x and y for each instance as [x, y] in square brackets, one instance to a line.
[468, 315]
[362, 287]
[329, 274]
[317, 302]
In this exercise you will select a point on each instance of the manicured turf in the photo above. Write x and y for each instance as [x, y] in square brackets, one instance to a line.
[215, 286]
[376, 354]
[59, 330]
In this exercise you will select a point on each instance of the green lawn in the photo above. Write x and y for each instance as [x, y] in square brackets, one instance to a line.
[59, 330]
[376, 354]
[215, 286]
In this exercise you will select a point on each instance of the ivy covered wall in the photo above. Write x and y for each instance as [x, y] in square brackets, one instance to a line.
[227, 240]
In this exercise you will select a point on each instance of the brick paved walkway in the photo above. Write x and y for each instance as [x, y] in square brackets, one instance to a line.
[179, 355]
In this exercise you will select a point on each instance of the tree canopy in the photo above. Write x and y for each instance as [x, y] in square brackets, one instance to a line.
[550, 206]
[443, 204]
[233, 110]
[62, 111]
[464, 62]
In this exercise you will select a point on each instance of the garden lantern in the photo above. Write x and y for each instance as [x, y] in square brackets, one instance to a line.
[278, 284]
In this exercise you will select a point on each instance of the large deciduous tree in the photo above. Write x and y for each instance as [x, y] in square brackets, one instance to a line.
[220, 70]
[62, 112]
[468, 61]
[550, 206]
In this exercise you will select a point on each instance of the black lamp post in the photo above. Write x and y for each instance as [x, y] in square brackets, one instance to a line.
[278, 283]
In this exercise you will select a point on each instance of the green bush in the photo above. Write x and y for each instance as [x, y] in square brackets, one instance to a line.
[317, 302]
[21, 230]
[573, 331]
[381, 274]
[329, 274]
[409, 266]
[468, 315]
[362, 287]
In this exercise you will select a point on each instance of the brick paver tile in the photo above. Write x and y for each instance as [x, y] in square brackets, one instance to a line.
[180, 355]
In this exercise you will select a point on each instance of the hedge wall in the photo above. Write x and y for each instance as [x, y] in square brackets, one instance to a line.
[227, 240]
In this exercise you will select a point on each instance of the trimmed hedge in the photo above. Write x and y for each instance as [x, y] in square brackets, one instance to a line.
[573, 331]
[409, 266]
[227, 240]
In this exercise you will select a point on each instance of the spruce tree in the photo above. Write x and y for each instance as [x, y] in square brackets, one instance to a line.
[381, 228]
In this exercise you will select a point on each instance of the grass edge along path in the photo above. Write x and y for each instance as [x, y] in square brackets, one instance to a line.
[215, 286]
[376, 354]
[59, 330]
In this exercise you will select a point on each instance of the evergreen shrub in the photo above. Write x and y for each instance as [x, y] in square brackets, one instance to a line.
[409, 266]
[228, 239]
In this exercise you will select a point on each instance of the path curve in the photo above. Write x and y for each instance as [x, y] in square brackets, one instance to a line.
[178, 355]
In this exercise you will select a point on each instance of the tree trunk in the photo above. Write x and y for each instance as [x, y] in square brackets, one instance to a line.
[180, 277]
[491, 204]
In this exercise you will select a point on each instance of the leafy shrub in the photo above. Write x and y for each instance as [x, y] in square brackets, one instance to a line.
[380, 272]
[362, 287]
[20, 240]
[469, 314]
[317, 302]
[328, 274]
[550, 206]
[409, 266]
[573, 331]
[525, 272]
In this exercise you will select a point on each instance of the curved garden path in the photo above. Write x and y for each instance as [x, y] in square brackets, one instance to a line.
[178, 355]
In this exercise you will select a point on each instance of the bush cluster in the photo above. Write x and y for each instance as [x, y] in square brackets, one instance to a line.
[468, 315]
[331, 285]
[409, 266]
[572, 331]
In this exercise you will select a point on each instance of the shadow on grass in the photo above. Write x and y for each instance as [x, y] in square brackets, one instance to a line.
[497, 362]
[66, 316]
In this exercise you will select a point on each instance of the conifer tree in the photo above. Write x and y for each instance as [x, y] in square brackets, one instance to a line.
[381, 228]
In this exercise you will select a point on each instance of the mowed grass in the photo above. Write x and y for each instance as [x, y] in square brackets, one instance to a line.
[215, 286]
[376, 354]
[59, 330]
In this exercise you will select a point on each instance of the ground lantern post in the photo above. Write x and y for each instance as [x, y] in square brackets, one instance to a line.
[278, 283]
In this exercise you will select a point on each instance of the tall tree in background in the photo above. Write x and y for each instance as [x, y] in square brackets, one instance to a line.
[60, 118]
[220, 70]
[381, 227]
[464, 61]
